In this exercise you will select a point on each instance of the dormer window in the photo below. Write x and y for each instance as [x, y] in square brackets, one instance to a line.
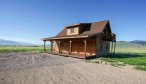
[71, 30]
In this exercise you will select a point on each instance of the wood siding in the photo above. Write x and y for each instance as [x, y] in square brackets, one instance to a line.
[102, 47]
[56, 46]
[76, 31]
[95, 46]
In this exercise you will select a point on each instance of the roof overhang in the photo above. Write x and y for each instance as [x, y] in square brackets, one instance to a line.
[59, 38]
[67, 37]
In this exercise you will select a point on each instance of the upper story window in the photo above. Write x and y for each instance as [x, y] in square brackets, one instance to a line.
[71, 30]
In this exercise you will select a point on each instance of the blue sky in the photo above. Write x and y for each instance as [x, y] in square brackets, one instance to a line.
[31, 20]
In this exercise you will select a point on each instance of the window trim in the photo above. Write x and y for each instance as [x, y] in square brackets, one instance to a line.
[72, 30]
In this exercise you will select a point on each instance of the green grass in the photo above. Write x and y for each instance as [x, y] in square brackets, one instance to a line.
[128, 55]
[9, 49]
[131, 56]
[141, 68]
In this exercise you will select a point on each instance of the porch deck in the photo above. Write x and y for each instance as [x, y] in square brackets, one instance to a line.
[74, 55]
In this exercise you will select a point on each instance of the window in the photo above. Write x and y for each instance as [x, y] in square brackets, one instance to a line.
[62, 43]
[71, 30]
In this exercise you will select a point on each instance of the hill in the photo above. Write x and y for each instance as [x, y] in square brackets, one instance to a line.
[120, 44]
[138, 42]
[131, 44]
[13, 43]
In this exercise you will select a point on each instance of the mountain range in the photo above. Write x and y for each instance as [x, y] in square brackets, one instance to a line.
[135, 43]
[13, 43]
[131, 44]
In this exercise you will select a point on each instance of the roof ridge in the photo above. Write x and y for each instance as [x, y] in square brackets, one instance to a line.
[85, 23]
[77, 24]
[101, 21]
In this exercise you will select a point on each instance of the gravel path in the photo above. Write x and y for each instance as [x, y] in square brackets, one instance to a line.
[32, 68]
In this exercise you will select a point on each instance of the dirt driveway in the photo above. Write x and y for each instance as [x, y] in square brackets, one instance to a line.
[32, 68]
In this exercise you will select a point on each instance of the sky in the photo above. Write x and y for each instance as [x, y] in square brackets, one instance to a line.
[31, 20]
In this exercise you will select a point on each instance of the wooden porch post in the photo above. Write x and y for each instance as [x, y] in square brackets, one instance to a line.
[115, 43]
[85, 49]
[114, 47]
[51, 46]
[70, 48]
[96, 47]
[44, 45]
[59, 46]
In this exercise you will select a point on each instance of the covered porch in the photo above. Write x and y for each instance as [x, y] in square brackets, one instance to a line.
[83, 47]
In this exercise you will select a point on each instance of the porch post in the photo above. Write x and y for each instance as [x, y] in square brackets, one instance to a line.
[51, 46]
[85, 49]
[114, 47]
[59, 46]
[115, 43]
[44, 45]
[70, 48]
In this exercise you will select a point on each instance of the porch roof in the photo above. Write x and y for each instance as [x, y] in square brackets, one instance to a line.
[87, 35]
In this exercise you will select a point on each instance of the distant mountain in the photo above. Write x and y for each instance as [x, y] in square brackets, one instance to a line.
[131, 44]
[120, 44]
[8, 42]
[138, 42]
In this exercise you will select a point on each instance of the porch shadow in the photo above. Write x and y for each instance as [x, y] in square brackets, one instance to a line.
[123, 55]
[119, 55]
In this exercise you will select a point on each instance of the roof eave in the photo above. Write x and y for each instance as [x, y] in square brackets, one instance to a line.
[57, 38]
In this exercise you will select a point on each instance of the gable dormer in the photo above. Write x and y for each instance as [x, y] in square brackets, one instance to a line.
[77, 29]
[73, 30]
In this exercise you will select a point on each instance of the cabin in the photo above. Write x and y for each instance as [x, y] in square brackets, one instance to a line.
[83, 40]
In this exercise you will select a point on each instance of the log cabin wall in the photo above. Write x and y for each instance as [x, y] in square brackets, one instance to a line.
[95, 46]
[105, 48]
[91, 46]
[78, 46]
[102, 47]
[98, 45]
[64, 46]
[56, 46]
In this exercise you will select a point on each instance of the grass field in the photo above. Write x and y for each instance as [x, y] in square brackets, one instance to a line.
[9, 49]
[128, 55]
[131, 56]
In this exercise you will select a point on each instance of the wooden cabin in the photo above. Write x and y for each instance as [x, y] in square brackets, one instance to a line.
[84, 40]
